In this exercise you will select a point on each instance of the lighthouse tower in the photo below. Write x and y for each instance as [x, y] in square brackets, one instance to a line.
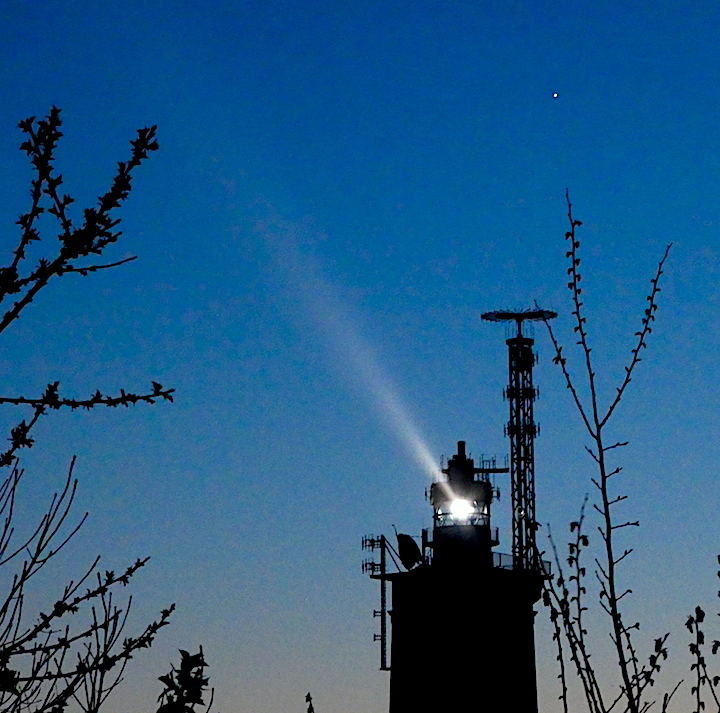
[461, 615]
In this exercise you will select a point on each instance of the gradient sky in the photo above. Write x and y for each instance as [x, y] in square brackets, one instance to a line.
[342, 188]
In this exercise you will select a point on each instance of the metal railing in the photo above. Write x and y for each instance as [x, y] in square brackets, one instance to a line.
[502, 561]
[447, 519]
[505, 561]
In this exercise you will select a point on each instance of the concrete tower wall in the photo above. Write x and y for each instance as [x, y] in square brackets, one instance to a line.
[463, 638]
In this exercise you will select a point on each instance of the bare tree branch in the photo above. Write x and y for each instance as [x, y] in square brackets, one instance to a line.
[634, 678]
[74, 647]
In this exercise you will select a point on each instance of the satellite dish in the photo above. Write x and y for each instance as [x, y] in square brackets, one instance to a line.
[408, 551]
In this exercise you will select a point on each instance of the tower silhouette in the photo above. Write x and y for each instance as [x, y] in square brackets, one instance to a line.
[462, 617]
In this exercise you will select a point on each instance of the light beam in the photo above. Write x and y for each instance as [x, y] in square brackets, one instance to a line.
[323, 304]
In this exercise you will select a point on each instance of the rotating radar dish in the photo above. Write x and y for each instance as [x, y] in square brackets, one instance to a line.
[531, 315]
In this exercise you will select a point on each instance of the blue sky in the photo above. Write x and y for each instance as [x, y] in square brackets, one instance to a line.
[342, 188]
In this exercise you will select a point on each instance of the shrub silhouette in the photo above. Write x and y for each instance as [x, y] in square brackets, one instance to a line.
[185, 686]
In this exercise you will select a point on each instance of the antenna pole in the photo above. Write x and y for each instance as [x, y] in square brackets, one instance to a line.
[521, 429]
[383, 604]
[378, 570]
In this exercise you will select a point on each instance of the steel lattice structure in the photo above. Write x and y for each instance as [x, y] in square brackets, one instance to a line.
[521, 429]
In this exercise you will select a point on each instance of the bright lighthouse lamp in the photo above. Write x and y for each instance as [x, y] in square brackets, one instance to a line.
[461, 509]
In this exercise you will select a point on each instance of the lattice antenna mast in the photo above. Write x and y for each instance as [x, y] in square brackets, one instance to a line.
[521, 429]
